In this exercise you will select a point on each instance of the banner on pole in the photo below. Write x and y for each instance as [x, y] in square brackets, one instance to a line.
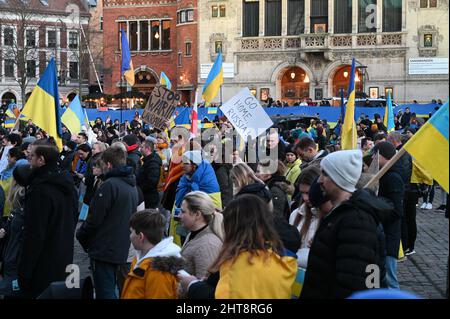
[246, 114]
[160, 107]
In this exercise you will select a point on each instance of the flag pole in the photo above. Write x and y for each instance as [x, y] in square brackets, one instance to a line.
[385, 168]
[221, 95]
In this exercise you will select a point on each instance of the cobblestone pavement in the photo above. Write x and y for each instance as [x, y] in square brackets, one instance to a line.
[424, 273]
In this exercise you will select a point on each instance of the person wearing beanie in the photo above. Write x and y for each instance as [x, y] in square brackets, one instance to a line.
[292, 163]
[349, 237]
[134, 155]
[392, 187]
[198, 176]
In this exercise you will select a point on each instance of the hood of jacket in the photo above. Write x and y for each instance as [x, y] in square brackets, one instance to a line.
[165, 256]
[276, 179]
[257, 189]
[366, 200]
[52, 175]
[297, 162]
[123, 172]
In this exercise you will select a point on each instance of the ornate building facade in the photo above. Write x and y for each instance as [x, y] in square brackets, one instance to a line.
[294, 49]
[162, 35]
[33, 32]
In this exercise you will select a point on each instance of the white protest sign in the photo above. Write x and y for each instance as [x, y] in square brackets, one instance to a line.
[246, 114]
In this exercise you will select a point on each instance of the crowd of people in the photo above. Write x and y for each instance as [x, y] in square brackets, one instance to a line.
[170, 215]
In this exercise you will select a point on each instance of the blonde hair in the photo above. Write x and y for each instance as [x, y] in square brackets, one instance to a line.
[200, 201]
[242, 175]
[16, 195]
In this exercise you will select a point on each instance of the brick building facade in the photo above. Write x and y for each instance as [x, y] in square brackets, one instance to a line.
[162, 35]
[49, 29]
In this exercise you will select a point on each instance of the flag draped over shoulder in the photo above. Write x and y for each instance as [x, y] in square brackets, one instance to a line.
[43, 105]
[389, 115]
[127, 64]
[429, 147]
[164, 80]
[213, 81]
[74, 117]
[348, 134]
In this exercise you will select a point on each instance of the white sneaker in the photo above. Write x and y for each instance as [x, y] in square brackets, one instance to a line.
[429, 206]
[423, 205]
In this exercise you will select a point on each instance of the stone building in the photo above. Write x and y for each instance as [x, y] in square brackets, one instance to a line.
[31, 33]
[162, 35]
[295, 49]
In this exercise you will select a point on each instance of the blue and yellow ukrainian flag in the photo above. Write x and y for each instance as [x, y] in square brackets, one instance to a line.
[127, 64]
[389, 115]
[429, 147]
[214, 80]
[43, 105]
[74, 117]
[164, 80]
[348, 134]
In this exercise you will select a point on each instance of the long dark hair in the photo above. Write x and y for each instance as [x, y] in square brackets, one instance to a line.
[306, 177]
[248, 225]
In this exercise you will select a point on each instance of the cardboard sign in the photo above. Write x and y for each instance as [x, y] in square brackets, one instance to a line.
[246, 114]
[160, 107]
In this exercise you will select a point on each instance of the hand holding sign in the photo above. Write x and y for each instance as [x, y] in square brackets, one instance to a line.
[160, 107]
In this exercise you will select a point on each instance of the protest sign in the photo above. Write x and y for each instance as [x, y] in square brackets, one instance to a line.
[246, 114]
[160, 107]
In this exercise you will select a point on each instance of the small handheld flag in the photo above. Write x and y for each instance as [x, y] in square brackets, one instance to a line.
[348, 135]
[73, 118]
[43, 105]
[164, 80]
[194, 120]
[214, 80]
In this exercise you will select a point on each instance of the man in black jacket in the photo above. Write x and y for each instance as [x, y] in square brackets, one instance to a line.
[51, 207]
[346, 247]
[134, 156]
[149, 173]
[392, 187]
[105, 234]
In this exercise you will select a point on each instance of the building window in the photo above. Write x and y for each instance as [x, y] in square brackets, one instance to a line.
[73, 70]
[155, 36]
[51, 39]
[392, 15]
[122, 25]
[188, 48]
[73, 40]
[319, 16]
[250, 18]
[296, 17]
[8, 36]
[273, 18]
[218, 47]
[31, 68]
[143, 34]
[215, 11]
[343, 16]
[165, 36]
[31, 38]
[428, 3]
[179, 59]
[133, 36]
[428, 40]
[222, 10]
[367, 16]
[190, 15]
[183, 17]
[101, 23]
[9, 68]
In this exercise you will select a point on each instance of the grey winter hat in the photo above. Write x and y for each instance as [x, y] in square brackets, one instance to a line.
[344, 168]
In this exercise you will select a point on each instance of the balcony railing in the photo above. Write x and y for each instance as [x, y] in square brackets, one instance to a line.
[324, 41]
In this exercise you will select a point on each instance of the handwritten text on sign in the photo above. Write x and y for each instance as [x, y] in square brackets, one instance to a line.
[160, 107]
[246, 115]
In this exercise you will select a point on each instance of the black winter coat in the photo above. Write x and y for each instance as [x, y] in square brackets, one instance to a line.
[225, 183]
[391, 187]
[51, 212]
[105, 234]
[89, 179]
[346, 242]
[134, 160]
[148, 178]
[279, 196]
